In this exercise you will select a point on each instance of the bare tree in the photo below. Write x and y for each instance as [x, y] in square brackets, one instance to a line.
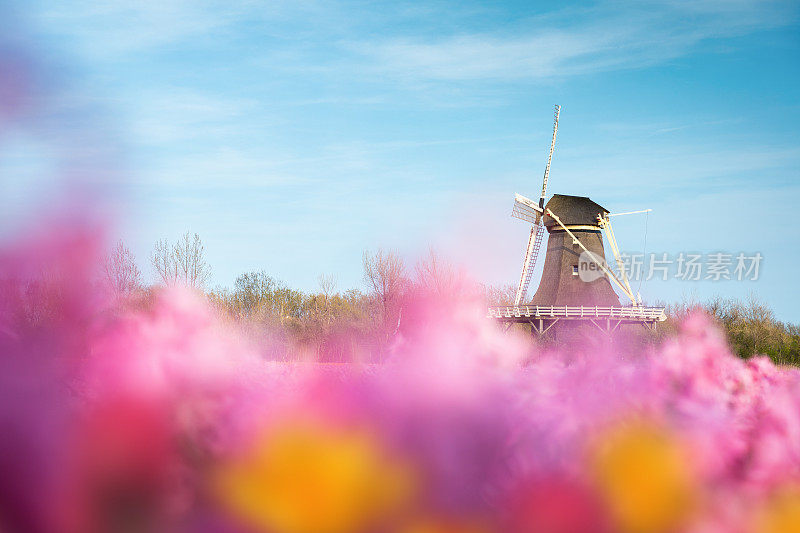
[437, 276]
[254, 292]
[384, 273]
[163, 263]
[120, 271]
[502, 295]
[327, 284]
[189, 255]
[759, 320]
[184, 262]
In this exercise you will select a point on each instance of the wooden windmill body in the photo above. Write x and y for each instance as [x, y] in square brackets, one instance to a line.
[561, 283]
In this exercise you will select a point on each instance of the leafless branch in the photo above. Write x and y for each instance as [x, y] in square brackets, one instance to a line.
[120, 271]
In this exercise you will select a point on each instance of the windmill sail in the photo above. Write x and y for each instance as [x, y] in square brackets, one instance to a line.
[534, 243]
[526, 209]
[556, 113]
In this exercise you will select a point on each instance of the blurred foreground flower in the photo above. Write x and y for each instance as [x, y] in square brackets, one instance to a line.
[781, 514]
[643, 474]
[123, 470]
[153, 420]
[315, 479]
[556, 505]
[445, 525]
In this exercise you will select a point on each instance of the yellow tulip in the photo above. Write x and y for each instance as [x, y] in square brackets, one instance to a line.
[313, 479]
[643, 475]
[781, 514]
[439, 525]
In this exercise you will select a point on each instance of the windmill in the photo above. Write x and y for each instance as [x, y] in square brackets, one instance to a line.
[576, 226]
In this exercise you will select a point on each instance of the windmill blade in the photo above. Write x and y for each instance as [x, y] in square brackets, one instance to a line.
[556, 113]
[534, 243]
[526, 209]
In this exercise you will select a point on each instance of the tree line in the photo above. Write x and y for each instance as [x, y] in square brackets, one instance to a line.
[750, 327]
[326, 324]
[332, 325]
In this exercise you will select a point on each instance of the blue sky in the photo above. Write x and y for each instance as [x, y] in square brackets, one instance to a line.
[294, 135]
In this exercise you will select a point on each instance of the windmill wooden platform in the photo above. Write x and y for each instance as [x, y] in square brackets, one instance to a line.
[606, 319]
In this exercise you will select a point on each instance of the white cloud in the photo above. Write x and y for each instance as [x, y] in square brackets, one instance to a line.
[176, 114]
[567, 43]
[563, 42]
[109, 28]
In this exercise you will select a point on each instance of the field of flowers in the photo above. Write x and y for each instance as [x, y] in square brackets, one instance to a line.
[122, 420]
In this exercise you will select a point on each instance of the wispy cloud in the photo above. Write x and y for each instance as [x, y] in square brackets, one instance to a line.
[179, 114]
[109, 29]
[319, 36]
[568, 43]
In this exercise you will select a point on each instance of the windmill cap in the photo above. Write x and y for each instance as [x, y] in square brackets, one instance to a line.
[573, 211]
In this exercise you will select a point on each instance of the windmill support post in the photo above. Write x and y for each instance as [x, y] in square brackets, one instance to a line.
[540, 326]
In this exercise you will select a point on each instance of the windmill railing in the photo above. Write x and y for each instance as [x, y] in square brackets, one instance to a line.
[577, 312]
